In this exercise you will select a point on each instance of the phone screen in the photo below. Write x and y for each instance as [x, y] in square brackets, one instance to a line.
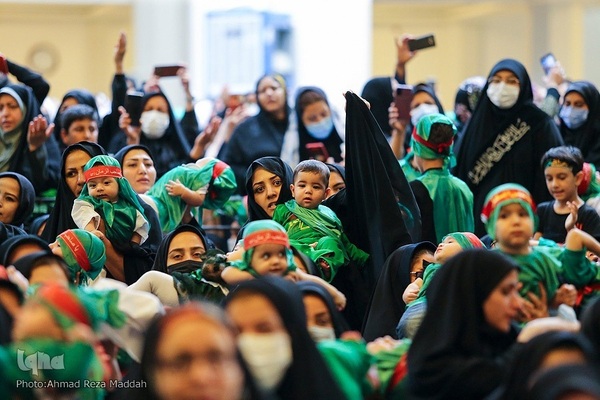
[402, 99]
[317, 151]
[548, 62]
[167, 70]
[133, 106]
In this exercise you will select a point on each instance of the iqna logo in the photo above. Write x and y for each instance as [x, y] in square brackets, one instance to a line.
[39, 361]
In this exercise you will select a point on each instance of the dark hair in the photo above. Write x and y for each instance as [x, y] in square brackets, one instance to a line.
[315, 167]
[307, 98]
[440, 133]
[77, 113]
[568, 154]
[29, 262]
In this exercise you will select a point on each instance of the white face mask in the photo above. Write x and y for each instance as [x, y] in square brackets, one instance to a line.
[502, 95]
[422, 110]
[321, 333]
[154, 123]
[268, 357]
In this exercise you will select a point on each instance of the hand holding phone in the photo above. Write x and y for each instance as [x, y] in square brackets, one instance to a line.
[167, 70]
[317, 151]
[402, 100]
[548, 62]
[133, 106]
[421, 42]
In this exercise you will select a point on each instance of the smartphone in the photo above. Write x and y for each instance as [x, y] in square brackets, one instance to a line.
[133, 106]
[421, 42]
[317, 151]
[548, 62]
[402, 99]
[167, 70]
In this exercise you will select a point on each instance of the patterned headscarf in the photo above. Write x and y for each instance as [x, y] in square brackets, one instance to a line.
[83, 252]
[265, 231]
[501, 196]
[466, 240]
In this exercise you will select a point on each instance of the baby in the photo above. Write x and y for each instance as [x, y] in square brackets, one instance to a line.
[108, 203]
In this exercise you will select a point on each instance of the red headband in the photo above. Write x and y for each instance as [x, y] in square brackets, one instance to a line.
[64, 301]
[587, 179]
[473, 239]
[218, 168]
[74, 244]
[439, 148]
[101, 171]
[266, 236]
[509, 194]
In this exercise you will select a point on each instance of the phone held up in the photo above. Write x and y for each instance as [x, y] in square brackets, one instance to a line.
[548, 62]
[133, 106]
[167, 70]
[317, 151]
[402, 100]
[421, 42]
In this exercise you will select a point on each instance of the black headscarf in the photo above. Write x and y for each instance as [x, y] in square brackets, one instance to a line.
[332, 142]
[586, 136]
[9, 245]
[386, 306]
[374, 177]
[527, 361]
[60, 217]
[454, 352]
[490, 122]
[337, 319]
[83, 96]
[308, 376]
[276, 166]
[557, 382]
[590, 323]
[26, 198]
[378, 92]
[120, 155]
[160, 261]
[168, 152]
[22, 160]
[258, 136]
[340, 170]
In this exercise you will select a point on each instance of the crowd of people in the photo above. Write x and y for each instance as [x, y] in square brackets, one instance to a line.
[292, 253]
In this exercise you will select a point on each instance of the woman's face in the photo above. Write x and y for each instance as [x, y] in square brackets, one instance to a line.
[254, 313]
[74, 164]
[575, 100]
[503, 303]
[315, 112]
[265, 188]
[336, 183]
[138, 169]
[10, 113]
[317, 313]
[271, 96]
[157, 103]
[185, 246]
[505, 76]
[421, 98]
[69, 102]
[188, 368]
[10, 190]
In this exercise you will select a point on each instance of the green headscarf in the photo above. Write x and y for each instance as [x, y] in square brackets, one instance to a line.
[83, 252]
[501, 196]
[421, 145]
[466, 240]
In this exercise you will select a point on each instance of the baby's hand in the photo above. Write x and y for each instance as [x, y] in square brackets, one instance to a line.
[175, 188]
[293, 276]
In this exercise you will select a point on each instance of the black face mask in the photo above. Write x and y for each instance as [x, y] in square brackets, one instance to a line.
[185, 267]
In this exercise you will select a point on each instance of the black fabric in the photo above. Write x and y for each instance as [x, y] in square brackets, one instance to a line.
[160, 261]
[60, 217]
[26, 198]
[455, 354]
[258, 136]
[308, 377]
[9, 245]
[421, 87]
[586, 136]
[110, 122]
[590, 323]
[528, 360]
[35, 81]
[425, 204]
[340, 170]
[378, 92]
[374, 177]
[277, 167]
[386, 306]
[521, 164]
[170, 151]
[7, 231]
[120, 155]
[564, 380]
[552, 225]
[37, 223]
[6, 324]
[332, 142]
[43, 176]
[339, 323]
[82, 96]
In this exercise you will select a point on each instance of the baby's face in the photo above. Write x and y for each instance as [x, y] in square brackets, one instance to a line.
[269, 259]
[309, 190]
[446, 249]
[514, 228]
[104, 188]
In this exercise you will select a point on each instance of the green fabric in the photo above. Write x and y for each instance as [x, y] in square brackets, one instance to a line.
[386, 361]
[321, 226]
[234, 208]
[349, 361]
[593, 189]
[410, 172]
[490, 220]
[171, 209]
[452, 202]
[574, 266]
[94, 249]
[192, 286]
[56, 362]
[540, 265]
[119, 218]
[423, 130]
